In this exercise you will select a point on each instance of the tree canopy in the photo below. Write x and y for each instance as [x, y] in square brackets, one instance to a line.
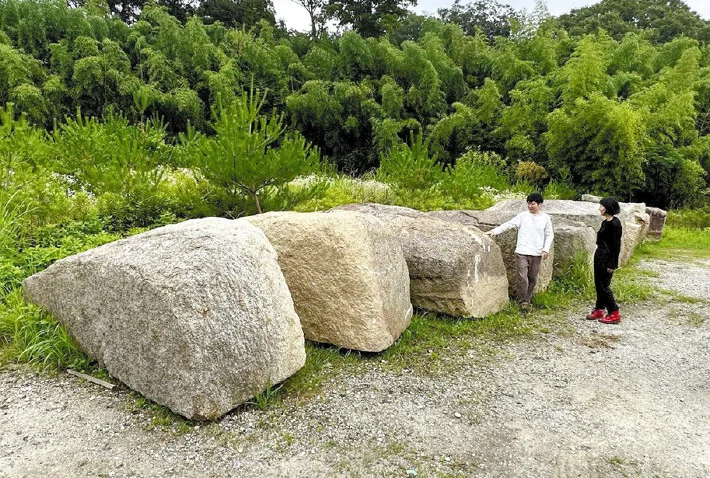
[612, 111]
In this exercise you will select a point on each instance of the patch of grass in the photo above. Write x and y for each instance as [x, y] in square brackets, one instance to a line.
[267, 398]
[30, 335]
[689, 218]
[676, 296]
[695, 319]
[574, 285]
[429, 336]
[160, 417]
[616, 460]
[323, 362]
[682, 243]
[631, 287]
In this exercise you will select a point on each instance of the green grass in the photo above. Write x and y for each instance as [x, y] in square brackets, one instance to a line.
[431, 337]
[159, 417]
[30, 335]
[265, 399]
[323, 362]
[677, 243]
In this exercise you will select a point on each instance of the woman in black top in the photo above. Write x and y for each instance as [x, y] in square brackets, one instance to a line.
[606, 261]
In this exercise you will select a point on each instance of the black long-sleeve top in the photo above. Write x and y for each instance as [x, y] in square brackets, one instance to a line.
[609, 237]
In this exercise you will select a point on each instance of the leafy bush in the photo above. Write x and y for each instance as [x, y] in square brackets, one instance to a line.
[471, 183]
[559, 190]
[531, 171]
[119, 163]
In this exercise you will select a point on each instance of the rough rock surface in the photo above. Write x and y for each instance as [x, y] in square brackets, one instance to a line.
[633, 217]
[572, 238]
[656, 223]
[507, 240]
[195, 316]
[575, 399]
[454, 269]
[347, 276]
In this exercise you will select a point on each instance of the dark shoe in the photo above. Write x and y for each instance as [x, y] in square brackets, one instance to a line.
[525, 307]
[613, 318]
[596, 314]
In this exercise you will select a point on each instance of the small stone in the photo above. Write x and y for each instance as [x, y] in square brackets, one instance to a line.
[457, 415]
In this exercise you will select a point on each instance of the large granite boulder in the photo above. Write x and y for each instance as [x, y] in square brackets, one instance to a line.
[572, 239]
[196, 316]
[453, 269]
[347, 276]
[633, 217]
[506, 241]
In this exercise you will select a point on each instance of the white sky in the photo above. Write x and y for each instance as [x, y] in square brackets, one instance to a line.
[296, 17]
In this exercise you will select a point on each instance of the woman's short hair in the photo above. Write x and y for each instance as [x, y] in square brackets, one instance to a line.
[611, 205]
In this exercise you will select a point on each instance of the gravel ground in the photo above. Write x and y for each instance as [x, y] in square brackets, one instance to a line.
[592, 401]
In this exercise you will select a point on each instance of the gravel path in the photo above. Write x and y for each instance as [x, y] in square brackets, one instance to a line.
[596, 401]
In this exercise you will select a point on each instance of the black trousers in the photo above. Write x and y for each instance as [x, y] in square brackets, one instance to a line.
[602, 282]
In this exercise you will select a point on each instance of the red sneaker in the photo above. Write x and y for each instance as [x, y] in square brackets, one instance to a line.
[613, 318]
[596, 314]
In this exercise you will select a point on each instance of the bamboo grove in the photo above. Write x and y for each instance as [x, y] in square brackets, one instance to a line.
[124, 112]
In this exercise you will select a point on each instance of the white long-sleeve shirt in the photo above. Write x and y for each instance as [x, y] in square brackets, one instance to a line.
[535, 233]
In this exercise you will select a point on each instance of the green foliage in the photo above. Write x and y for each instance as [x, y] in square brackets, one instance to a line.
[267, 398]
[410, 167]
[471, 183]
[531, 172]
[250, 152]
[324, 193]
[369, 19]
[28, 334]
[576, 283]
[560, 190]
[689, 218]
[600, 143]
[118, 162]
[354, 96]
[662, 19]
[490, 17]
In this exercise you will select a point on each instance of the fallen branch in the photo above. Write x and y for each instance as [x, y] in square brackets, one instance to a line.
[97, 381]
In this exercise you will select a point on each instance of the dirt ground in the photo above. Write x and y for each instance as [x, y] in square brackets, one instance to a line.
[597, 401]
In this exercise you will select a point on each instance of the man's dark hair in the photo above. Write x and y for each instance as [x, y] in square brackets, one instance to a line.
[611, 205]
[535, 197]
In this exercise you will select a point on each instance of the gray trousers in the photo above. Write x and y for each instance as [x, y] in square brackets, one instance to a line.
[526, 269]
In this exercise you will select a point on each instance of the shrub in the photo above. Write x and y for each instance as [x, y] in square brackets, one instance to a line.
[118, 162]
[410, 168]
[471, 183]
[531, 172]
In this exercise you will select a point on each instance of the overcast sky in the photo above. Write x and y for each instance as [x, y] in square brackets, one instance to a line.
[296, 17]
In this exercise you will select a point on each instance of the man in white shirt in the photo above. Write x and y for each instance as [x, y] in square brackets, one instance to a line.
[534, 241]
